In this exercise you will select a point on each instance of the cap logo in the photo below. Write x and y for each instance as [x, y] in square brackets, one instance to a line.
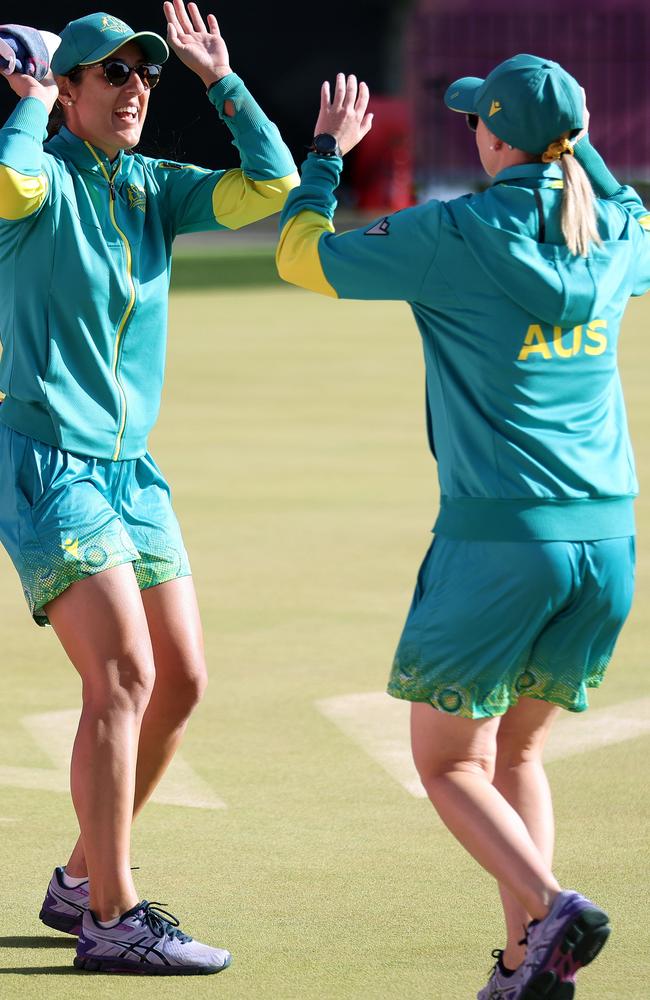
[494, 107]
[114, 24]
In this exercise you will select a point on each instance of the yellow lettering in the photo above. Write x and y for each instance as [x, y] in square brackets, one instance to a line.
[560, 349]
[599, 339]
[535, 343]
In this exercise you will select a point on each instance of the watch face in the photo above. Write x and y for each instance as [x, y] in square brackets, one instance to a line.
[325, 143]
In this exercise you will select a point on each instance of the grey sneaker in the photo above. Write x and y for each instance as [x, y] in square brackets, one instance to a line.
[146, 941]
[557, 947]
[63, 908]
[500, 987]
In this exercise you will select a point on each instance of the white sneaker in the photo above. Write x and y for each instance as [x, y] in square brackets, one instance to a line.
[63, 908]
[500, 987]
[146, 941]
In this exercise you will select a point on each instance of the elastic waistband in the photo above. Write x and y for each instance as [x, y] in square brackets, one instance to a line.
[530, 520]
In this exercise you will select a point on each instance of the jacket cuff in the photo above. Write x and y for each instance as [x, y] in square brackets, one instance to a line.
[321, 176]
[319, 180]
[29, 116]
[602, 180]
[248, 114]
[22, 137]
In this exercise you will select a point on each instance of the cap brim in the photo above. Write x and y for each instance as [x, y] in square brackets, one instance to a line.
[153, 46]
[461, 95]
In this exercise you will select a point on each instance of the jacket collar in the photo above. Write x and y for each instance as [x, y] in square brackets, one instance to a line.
[529, 174]
[86, 157]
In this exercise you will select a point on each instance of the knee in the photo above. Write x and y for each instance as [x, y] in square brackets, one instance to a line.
[192, 685]
[434, 769]
[183, 688]
[123, 684]
[515, 749]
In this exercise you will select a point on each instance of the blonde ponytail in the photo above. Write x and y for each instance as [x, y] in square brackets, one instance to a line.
[579, 225]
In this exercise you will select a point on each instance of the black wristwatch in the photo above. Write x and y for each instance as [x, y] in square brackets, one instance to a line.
[325, 145]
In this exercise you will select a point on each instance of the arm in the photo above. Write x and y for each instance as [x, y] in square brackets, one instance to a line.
[229, 199]
[387, 260]
[606, 186]
[604, 183]
[24, 180]
[267, 174]
[601, 178]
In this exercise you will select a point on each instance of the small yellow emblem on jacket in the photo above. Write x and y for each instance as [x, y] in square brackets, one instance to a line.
[137, 197]
[494, 107]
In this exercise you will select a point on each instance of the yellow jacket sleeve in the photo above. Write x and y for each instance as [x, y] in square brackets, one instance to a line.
[20, 195]
[238, 200]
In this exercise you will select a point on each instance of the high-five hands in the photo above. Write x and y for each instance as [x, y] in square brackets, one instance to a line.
[345, 115]
[196, 44]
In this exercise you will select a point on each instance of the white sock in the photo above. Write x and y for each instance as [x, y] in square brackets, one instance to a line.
[70, 882]
[109, 923]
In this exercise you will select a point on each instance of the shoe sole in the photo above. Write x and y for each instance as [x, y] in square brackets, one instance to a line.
[59, 922]
[109, 965]
[580, 942]
[547, 986]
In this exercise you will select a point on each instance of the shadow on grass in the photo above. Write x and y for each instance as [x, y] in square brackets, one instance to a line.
[38, 942]
[42, 970]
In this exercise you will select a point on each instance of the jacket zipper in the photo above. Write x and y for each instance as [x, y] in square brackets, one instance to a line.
[119, 339]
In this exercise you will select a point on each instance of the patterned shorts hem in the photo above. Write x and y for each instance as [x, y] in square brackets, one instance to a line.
[164, 578]
[491, 712]
[462, 713]
[38, 611]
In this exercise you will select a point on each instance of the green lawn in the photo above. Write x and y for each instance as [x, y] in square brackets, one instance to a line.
[293, 434]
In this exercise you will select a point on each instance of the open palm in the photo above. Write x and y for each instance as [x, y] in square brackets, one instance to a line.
[197, 44]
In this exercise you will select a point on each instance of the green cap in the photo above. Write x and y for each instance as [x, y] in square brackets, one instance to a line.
[91, 39]
[527, 101]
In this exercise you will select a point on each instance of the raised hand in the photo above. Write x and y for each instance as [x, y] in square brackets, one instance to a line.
[196, 44]
[345, 115]
[26, 86]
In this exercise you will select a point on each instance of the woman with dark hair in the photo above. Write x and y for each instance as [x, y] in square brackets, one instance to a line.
[85, 244]
[518, 293]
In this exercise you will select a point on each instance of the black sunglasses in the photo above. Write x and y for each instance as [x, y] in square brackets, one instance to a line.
[472, 122]
[118, 72]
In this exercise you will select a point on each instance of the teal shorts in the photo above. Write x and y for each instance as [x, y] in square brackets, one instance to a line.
[64, 517]
[492, 621]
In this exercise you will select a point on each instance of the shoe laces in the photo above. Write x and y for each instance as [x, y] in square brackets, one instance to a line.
[495, 993]
[527, 928]
[161, 922]
[496, 953]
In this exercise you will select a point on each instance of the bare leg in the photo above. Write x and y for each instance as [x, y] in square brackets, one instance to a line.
[102, 626]
[455, 758]
[177, 638]
[521, 779]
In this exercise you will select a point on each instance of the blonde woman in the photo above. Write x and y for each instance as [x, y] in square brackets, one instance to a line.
[518, 293]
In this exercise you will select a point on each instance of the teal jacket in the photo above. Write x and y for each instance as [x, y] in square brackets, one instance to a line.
[524, 404]
[85, 256]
